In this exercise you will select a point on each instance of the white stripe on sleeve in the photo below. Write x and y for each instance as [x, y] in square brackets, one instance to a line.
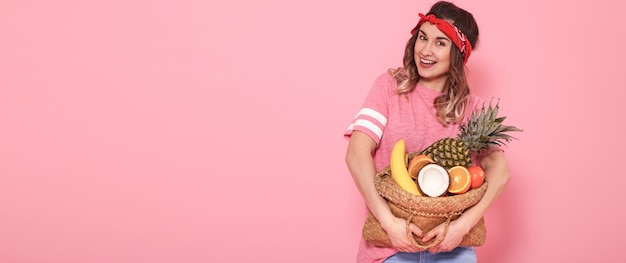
[370, 126]
[374, 114]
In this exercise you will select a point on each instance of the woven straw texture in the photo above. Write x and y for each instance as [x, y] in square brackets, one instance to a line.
[423, 211]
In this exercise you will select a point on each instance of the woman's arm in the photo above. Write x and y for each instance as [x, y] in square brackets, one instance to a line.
[361, 165]
[497, 175]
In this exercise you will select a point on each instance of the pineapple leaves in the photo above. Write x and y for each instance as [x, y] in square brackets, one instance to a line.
[485, 128]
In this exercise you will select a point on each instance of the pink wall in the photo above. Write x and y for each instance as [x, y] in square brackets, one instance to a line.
[181, 131]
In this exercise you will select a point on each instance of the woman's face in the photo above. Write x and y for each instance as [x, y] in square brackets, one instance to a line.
[432, 54]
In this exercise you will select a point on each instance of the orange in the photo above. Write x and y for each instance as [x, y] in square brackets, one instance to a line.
[460, 180]
[417, 163]
[478, 175]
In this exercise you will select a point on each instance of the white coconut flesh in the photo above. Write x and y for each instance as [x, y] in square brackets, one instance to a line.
[433, 180]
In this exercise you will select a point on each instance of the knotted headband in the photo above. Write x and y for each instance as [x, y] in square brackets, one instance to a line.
[459, 39]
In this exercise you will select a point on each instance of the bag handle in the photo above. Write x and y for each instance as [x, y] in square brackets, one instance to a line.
[431, 243]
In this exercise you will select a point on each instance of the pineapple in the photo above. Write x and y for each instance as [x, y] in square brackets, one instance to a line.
[482, 131]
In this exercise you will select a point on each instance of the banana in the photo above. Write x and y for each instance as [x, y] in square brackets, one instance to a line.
[399, 172]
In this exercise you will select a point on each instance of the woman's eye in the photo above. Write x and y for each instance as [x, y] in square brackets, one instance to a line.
[420, 37]
[441, 43]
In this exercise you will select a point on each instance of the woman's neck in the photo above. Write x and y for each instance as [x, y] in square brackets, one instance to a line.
[433, 84]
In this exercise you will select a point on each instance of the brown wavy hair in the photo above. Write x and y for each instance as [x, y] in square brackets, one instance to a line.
[452, 103]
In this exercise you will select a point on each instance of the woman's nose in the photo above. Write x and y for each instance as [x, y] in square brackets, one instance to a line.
[425, 50]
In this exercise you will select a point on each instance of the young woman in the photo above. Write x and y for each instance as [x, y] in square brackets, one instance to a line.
[423, 101]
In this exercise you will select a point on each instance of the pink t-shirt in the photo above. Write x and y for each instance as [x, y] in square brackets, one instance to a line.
[387, 117]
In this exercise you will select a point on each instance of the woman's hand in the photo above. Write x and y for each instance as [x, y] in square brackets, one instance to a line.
[452, 239]
[396, 231]
[497, 174]
[361, 165]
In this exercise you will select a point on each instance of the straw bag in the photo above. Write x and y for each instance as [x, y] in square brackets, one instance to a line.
[424, 211]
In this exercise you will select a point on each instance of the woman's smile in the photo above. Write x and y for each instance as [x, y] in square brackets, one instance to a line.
[425, 63]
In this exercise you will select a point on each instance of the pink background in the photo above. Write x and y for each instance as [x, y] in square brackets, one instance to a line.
[187, 131]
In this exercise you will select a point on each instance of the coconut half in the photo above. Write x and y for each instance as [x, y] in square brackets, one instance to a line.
[433, 180]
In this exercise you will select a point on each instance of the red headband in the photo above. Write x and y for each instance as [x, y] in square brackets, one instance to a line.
[459, 39]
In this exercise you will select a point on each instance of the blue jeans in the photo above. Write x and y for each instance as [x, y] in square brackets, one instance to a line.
[457, 255]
